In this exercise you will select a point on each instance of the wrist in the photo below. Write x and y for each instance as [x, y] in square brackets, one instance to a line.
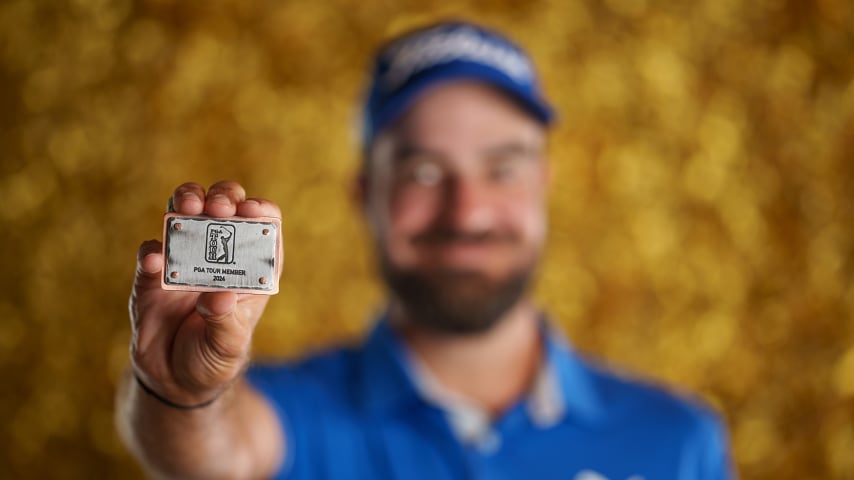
[175, 403]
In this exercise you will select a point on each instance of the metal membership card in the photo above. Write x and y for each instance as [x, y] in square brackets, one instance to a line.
[211, 254]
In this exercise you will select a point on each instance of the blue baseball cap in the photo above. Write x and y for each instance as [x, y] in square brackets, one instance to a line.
[413, 63]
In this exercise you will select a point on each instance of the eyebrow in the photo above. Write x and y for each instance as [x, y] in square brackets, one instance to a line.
[513, 148]
[408, 151]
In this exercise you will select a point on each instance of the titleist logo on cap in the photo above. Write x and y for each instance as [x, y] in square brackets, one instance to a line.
[441, 45]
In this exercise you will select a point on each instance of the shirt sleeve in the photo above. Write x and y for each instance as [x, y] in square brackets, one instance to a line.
[715, 460]
[277, 385]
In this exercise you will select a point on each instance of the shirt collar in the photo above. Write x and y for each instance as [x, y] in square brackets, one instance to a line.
[385, 384]
[391, 380]
[571, 377]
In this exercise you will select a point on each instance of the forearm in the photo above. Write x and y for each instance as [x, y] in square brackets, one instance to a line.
[234, 437]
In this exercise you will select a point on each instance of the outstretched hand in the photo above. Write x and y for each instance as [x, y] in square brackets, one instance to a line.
[189, 347]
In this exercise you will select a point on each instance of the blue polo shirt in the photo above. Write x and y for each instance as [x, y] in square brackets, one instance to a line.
[365, 413]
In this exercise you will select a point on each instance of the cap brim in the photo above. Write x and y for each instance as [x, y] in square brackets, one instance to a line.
[449, 73]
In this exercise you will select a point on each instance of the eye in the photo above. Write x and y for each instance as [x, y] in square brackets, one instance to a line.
[427, 174]
[504, 169]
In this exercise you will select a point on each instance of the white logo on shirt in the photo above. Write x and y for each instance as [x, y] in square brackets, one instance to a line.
[591, 475]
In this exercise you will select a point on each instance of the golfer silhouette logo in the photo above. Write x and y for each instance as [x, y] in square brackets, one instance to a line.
[220, 245]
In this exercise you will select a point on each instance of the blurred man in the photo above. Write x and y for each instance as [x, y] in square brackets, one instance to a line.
[462, 376]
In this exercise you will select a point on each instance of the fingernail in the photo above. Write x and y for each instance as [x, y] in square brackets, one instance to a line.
[189, 195]
[220, 198]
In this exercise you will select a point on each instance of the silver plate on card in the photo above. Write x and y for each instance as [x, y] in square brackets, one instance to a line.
[213, 254]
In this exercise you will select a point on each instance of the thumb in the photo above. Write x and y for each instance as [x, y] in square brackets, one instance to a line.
[226, 330]
[215, 307]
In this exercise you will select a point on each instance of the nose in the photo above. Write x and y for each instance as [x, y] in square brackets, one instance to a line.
[468, 206]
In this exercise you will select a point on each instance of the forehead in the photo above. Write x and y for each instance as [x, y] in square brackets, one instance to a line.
[464, 115]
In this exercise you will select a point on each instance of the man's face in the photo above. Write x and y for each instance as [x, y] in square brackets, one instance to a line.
[455, 195]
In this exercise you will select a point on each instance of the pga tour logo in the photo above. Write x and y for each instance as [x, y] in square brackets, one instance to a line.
[220, 245]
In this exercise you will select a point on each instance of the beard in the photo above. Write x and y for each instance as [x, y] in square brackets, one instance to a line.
[453, 300]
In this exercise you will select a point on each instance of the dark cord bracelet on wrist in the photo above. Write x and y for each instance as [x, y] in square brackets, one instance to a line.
[168, 402]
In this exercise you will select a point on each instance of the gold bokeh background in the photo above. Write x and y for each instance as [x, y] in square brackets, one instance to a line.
[701, 209]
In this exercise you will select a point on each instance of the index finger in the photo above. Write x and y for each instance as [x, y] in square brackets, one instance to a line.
[188, 199]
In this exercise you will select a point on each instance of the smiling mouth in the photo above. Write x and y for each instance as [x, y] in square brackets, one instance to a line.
[464, 252]
[452, 238]
[463, 249]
